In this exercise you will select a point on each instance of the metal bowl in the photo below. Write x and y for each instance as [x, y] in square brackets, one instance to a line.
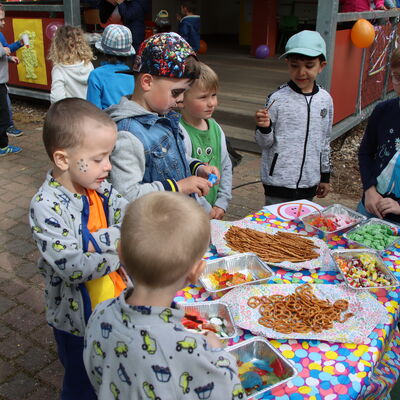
[393, 227]
[349, 253]
[246, 263]
[259, 349]
[334, 209]
[209, 309]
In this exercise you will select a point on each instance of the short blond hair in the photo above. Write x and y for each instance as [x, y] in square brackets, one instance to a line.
[163, 235]
[69, 46]
[207, 80]
[395, 59]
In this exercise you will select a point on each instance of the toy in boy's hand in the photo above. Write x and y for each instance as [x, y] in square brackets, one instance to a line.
[212, 178]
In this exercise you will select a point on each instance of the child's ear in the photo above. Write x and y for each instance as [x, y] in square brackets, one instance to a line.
[323, 65]
[61, 160]
[146, 81]
[196, 271]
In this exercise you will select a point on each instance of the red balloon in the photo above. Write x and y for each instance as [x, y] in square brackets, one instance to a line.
[203, 47]
[362, 33]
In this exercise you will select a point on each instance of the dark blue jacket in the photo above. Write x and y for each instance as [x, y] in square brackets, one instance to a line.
[133, 13]
[189, 29]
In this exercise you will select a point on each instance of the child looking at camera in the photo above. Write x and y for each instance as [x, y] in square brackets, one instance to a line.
[136, 345]
[75, 219]
[294, 129]
[204, 138]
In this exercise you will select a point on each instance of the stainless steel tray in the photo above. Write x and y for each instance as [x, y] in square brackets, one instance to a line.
[258, 348]
[209, 309]
[334, 209]
[349, 253]
[246, 263]
[369, 221]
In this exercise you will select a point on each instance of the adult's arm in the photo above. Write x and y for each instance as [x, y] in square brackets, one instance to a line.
[105, 10]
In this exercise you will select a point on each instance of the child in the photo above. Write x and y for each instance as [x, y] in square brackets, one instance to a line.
[379, 156]
[294, 129]
[13, 47]
[360, 5]
[71, 56]
[75, 219]
[189, 24]
[204, 138]
[149, 155]
[105, 86]
[136, 345]
[5, 57]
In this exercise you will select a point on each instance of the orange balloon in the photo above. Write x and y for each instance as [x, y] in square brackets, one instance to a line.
[362, 33]
[203, 47]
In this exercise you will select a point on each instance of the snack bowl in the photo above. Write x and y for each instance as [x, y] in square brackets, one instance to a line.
[212, 309]
[248, 264]
[333, 210]
[273, 369]
[370, 255]
[366, 223]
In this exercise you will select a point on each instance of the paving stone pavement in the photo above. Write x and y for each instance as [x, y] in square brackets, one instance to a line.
[29, 367]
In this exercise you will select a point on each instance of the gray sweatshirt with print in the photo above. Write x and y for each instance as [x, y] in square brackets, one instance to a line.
[296, 147]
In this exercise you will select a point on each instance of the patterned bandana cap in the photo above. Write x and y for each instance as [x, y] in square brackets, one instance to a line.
[163, 54]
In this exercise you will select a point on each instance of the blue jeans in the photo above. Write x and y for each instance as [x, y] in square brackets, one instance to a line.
[76, 384]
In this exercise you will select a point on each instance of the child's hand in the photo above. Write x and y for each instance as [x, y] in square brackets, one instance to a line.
[213, 341]
[7, 51]
[372, 197]
[205, 170]
[14, 60]
[262, 118]
[194, 184]
[91, 248]
[388, 206]
[217, 213]
[323, 189]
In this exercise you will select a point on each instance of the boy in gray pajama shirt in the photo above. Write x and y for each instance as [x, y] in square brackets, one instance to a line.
[136, 346]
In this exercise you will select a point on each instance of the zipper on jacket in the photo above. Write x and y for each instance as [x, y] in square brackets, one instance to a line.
[271, 171]
[305, 140]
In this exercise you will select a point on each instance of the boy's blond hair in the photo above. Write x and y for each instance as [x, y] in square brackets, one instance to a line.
[208, 79]
[163, 235]
[63, 124]
[395, 59]
[69, 46]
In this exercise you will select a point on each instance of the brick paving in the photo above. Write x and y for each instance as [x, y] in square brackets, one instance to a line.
[29, 367]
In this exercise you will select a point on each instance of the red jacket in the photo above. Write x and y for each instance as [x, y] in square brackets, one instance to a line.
[358, 5]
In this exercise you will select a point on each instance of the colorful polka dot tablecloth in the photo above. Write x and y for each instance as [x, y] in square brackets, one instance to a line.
[331, 371]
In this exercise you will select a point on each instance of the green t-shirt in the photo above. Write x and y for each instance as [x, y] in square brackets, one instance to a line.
[206, 147]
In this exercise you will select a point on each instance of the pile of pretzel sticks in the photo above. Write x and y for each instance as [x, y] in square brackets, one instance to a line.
[283, 246]
[300, 312]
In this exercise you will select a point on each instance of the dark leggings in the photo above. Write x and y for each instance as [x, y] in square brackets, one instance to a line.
[76, 385]
[4, 116]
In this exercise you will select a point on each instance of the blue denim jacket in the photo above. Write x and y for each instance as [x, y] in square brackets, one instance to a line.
[163, 146]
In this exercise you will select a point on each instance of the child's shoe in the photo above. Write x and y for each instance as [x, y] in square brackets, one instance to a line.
[9, 150]
[13, 131]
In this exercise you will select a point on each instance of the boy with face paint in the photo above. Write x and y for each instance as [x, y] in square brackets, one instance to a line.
[75, 219]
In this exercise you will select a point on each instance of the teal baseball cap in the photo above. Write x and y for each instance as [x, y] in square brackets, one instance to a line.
[307, 43]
